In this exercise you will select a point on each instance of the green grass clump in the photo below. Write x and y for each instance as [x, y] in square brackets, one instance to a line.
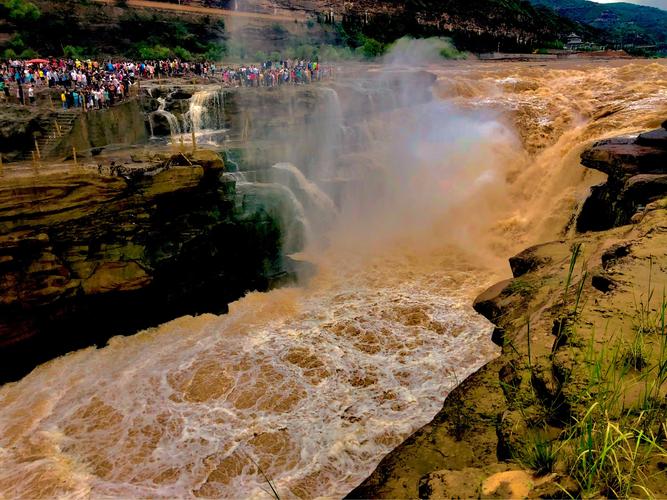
[540, 455]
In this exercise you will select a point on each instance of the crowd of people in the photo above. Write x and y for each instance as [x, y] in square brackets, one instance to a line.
[91, 84]
[271, 74]
[84, 84]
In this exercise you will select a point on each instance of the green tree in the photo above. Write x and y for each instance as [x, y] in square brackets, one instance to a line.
[214, 52]
[372, 48]
[260, 56]
[73, 51]
[154, 52]
[21, 10]
[16, 43]
[28, 54]
[183, 54]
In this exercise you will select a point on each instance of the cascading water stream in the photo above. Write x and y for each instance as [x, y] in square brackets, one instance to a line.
[174, 126]
[206, 115]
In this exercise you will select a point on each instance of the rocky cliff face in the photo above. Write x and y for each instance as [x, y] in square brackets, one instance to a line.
[582, 344]
[85, 255]
[478, 26]
[637, 174]
[19, 126]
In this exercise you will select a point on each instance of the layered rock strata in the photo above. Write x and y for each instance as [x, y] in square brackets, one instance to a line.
[96, 252]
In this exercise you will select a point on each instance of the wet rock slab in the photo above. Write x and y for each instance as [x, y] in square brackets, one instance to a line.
[637, 175]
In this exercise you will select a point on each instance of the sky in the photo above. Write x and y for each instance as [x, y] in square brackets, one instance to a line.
[661, 4]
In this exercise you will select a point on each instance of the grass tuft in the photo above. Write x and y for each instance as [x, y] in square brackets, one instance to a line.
[540, 455]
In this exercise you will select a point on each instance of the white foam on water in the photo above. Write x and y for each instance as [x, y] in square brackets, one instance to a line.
[311, 385]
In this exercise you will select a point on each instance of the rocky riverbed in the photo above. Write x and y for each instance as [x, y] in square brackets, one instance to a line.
[581, 327]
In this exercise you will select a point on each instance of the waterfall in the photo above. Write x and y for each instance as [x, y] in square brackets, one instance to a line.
[330, 134]
[207, 111]
[319, 210]
[174, 126]
[282, 204]
[239, 177]
[313, 195]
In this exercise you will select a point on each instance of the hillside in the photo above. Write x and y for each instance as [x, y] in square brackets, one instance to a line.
[627, 23]
[92, 28]
[474, 25]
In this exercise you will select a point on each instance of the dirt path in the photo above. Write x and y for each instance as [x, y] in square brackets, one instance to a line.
[194, 9]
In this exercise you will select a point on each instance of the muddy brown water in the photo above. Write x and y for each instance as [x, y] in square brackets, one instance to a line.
[314, 384]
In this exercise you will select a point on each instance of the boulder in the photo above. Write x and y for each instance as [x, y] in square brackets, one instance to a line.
[642, 188]
[206, 158]
[488, 303]
[624, 156]
[655, 138]
[637, 175]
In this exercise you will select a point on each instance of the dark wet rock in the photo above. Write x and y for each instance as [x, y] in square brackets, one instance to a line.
[623, 157]
[645, 186]
[602, 210]
[603, 282]
[655, 138]
[528, 260]
[490, 304]
[615, 252]
[160, 125]
[637, 175]
[180, 93]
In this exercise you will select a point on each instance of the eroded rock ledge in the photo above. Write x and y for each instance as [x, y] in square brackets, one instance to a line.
[86, 254]
[550, 328]
[636, 169]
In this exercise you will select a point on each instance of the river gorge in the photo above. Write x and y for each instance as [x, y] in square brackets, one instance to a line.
[369, 210]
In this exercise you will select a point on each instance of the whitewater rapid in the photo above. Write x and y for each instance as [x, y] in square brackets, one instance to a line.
[310, 386]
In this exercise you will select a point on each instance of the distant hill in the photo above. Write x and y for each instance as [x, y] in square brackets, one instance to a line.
[474, 25]
[116, 27]
[625, 22]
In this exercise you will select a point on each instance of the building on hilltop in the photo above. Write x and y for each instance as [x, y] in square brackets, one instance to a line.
[574, 42]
